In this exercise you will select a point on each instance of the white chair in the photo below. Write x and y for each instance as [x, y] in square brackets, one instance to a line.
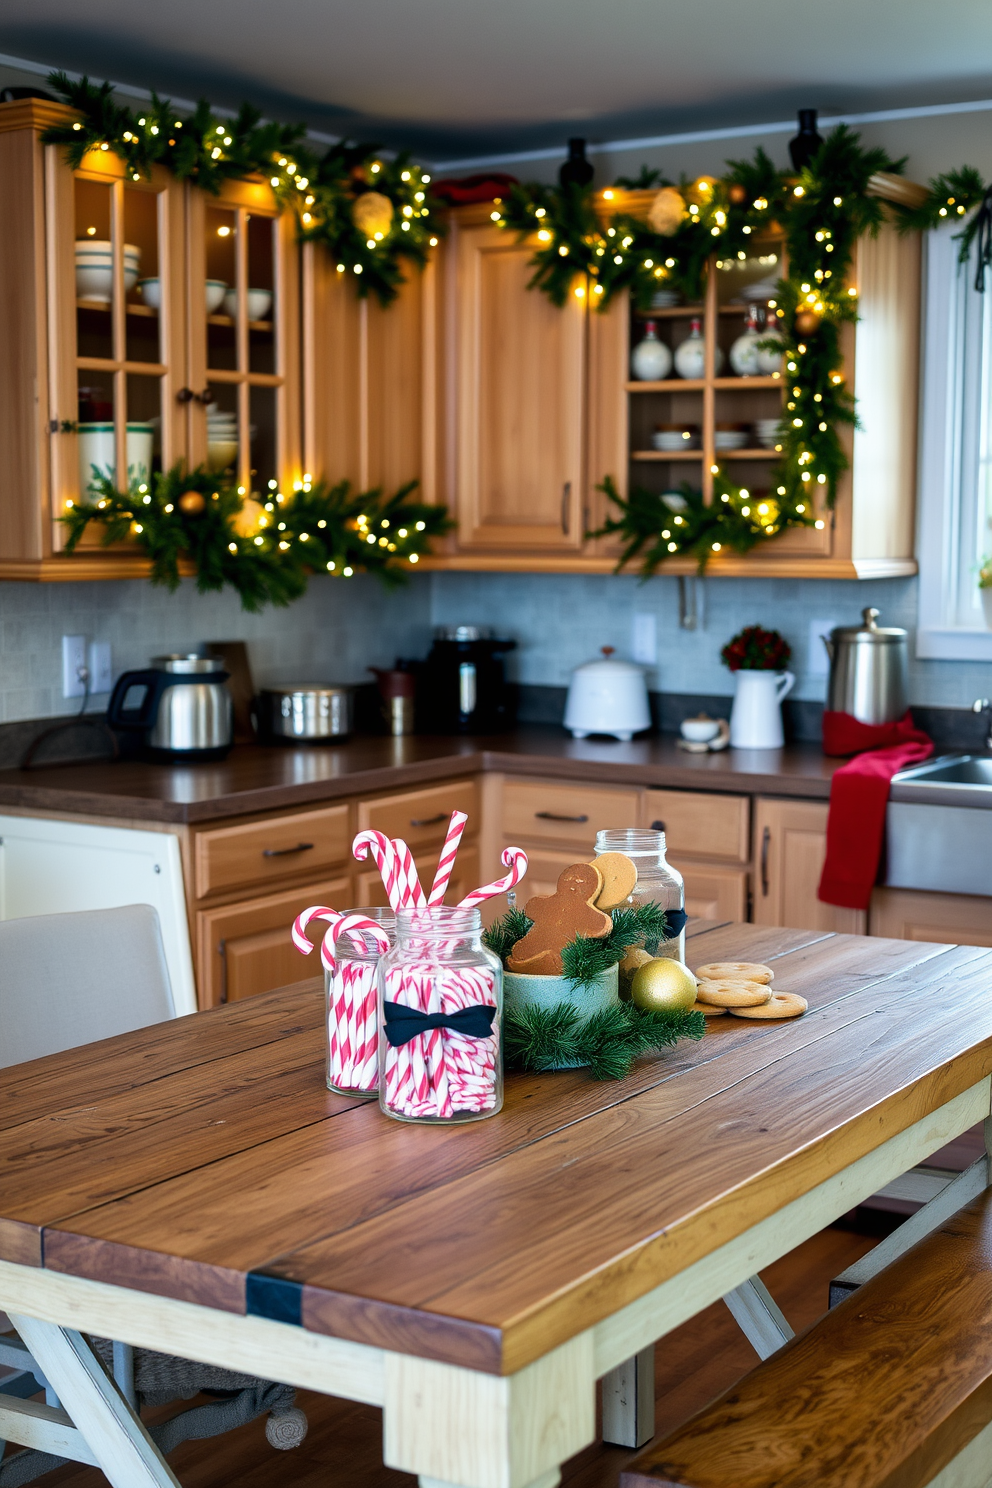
[71, 979]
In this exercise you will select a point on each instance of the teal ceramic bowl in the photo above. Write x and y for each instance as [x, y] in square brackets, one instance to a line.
[548, 991]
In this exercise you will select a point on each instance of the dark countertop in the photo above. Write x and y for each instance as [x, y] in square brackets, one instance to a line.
[255, 778]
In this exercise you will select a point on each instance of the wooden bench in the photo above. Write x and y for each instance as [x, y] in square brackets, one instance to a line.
[891, 1389]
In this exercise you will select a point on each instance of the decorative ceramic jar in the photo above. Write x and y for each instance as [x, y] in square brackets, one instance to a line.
[745, 358]
[651, 360]
[690, 355]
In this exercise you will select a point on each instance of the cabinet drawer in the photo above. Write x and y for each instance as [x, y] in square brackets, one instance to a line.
[707, 826]
[713, 893]
[465, 878]
[537, 811]
[246, 948]
[421, 816]
[262, 852]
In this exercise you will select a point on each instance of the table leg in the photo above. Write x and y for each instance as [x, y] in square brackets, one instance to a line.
[457, 1426]
[628, 1401]
[758, 1316]
[110, 1428]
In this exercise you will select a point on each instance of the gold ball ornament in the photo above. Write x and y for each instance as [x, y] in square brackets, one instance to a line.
[737, 194]
[663, 986]
[192, 503]
[807, 321]
[372, 213]
[701, 190]
[666, 212]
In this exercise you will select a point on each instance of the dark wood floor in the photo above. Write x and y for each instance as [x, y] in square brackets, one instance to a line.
[343, 1446]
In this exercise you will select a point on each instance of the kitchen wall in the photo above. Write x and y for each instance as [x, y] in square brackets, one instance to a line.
[333, 633]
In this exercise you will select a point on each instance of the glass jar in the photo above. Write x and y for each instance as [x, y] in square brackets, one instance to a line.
[440, 1005]
[657, 881]
[352, 1017]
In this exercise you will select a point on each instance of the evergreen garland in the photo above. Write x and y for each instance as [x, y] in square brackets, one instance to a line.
[584, 960]
[265, 552]
[321, 190]
[538, 1039]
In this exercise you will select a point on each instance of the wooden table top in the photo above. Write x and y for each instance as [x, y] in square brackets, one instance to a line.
[204, 1159]
[255, 777]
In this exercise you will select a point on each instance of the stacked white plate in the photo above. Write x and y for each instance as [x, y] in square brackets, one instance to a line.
[95, 269]
[664, 299]
[729, 439]
[675, 439]
[766, 432]
[760, 292]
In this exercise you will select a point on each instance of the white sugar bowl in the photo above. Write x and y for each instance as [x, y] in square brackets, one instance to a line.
[607, 697]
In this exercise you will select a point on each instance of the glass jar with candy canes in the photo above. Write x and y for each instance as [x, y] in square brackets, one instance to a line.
[351, 951]
[440, 1004]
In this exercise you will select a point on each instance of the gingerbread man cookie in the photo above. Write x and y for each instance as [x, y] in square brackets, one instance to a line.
[558, 919]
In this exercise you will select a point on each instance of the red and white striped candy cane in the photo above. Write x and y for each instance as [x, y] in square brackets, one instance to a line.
[513, 858]
[365, 931]
[352, 1024]
[446, 862]
[384, 853]
[411, 894]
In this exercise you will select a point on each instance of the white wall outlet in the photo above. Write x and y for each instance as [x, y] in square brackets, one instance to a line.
[73, 666]
[817, 661]
[101, 677]
[644, 639]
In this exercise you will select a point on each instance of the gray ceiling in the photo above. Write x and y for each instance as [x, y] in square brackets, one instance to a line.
[451, 78]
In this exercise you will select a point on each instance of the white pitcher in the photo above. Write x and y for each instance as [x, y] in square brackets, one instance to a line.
[756, 717]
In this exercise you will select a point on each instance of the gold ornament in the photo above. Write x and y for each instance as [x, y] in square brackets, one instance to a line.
[701, 190]
[807, 321]
[737, 194]
[246, 522]
[372, 213]
[666, 212]
[192, 503]
[663, 986]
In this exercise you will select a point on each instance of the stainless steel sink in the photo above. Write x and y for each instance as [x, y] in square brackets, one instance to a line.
[938, 833]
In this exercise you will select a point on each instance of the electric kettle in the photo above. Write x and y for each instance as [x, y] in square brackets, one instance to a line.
[184, 713]
[869, 670]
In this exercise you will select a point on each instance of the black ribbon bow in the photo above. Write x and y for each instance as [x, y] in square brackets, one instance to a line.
[402, 1023]
[675, 922]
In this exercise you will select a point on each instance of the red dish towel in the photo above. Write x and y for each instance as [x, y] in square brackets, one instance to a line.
[859, 794]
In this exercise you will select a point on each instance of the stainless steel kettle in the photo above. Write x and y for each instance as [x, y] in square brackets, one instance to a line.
[185, 711]
[869, 670]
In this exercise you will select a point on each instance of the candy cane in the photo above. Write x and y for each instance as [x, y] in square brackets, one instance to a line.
[384, 853]
[446, 862]
[411, 894]
[513, 858]
[363, 929]
[352, 1024]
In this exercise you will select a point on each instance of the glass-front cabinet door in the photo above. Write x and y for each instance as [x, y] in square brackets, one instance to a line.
[243, 309]
[117, 327]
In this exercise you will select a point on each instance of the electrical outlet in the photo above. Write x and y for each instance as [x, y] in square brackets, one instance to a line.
[644, 639]
[73, 666]
[101, 677]
[817, 661]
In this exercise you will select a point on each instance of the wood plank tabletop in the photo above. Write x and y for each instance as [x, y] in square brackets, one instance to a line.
[204, 1159]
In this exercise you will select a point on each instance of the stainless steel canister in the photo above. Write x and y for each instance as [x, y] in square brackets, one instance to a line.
[307, 712]
[869, 670]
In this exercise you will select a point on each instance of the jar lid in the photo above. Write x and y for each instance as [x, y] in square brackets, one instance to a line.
[614, 665]
[868, 633]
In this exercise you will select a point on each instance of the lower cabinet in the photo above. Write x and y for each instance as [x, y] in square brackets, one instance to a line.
[246, 948]
[948, 919]
[713, 893]
[790, 840]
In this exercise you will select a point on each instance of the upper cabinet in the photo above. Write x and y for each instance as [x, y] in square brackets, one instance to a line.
[143, 323]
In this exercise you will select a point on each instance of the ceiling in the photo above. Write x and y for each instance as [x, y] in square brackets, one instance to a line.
[456, 78]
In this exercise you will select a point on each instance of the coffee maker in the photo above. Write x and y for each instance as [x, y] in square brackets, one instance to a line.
[464, 683]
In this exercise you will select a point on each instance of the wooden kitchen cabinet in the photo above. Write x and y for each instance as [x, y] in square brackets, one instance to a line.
[267, 849]
[564, 814]
[701, 824]
[245, 948]
[948, 919]
[713, 893]
[790, 839]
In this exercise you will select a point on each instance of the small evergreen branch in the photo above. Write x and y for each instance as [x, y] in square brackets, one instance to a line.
[538, 1039]
[504, 933]
[584, 959]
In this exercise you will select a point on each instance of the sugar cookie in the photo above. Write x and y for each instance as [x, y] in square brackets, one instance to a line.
[732, 993]
[780, 1005]
[619, 879]
[708, 1009]
[746, 971]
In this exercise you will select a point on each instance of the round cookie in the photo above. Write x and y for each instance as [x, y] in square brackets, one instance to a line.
[780, 1005]
[732, 993]
[738, 971]
[708, 1009]
[619, 879]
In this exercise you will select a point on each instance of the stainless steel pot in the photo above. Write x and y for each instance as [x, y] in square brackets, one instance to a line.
[306, 712]
[869, 670]
[185, 711]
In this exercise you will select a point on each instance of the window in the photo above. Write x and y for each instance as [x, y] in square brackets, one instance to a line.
[955, 472]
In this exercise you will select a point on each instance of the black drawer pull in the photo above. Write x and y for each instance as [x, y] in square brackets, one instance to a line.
[284, 852]
[766, 842]
[429, 821]
[554, 816]
[657, 826]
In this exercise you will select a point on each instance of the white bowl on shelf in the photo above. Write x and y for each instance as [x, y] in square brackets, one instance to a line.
[669, 441]
[729, 439]
[766, 432]
[221, 453]
[259, 303]
[150, 291]
[216, 290]
[95, 269]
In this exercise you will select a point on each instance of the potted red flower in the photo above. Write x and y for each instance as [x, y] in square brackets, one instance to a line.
[758, 657]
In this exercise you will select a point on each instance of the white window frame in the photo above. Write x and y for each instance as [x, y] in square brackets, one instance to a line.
[954, 454]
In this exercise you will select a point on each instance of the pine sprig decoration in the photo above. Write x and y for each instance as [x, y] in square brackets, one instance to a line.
[539, 1039]
[266, 554]
[503, 934]
[322, 191]
[584, 960]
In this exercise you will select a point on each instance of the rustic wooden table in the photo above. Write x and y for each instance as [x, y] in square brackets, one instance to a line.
[194, 1188]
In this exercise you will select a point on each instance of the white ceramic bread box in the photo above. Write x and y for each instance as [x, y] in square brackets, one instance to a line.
[607, 696]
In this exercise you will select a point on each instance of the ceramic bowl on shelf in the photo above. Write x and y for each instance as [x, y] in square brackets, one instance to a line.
[759, 292]
[150, 291]
[97, 444]
[95, 269]
[221, 453]
[729, 437]
[672, 437]
[766, 432]
[665, 299]
[216, 290]
[259, 303]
